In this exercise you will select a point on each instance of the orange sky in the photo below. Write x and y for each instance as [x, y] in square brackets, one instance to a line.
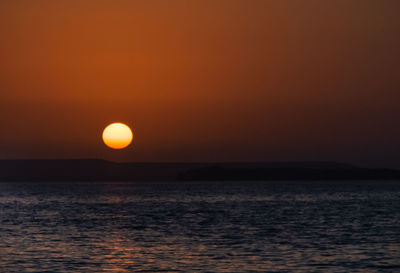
[202, 80]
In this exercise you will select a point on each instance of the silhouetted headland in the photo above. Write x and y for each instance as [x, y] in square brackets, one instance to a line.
[102, 170]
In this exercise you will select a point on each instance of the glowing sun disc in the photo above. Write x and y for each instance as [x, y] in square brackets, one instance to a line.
[117, 135]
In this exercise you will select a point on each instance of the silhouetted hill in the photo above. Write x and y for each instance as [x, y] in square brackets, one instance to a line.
[102, 170]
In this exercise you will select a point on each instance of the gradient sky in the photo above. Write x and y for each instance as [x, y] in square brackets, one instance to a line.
[282, 80]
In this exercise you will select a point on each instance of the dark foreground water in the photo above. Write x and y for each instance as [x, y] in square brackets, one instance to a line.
[200, 227]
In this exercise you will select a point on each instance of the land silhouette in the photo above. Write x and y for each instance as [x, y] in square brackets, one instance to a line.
[102, 170]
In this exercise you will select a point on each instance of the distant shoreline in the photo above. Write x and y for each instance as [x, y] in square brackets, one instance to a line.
[102, 170]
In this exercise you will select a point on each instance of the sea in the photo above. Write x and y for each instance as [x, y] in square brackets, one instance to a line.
[246, 226]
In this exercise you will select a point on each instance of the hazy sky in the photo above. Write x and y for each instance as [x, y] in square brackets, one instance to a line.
[202, 80]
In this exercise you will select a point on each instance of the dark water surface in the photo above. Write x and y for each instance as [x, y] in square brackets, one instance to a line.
[200, 227]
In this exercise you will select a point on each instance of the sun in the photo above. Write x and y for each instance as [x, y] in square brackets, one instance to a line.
[117, 136]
